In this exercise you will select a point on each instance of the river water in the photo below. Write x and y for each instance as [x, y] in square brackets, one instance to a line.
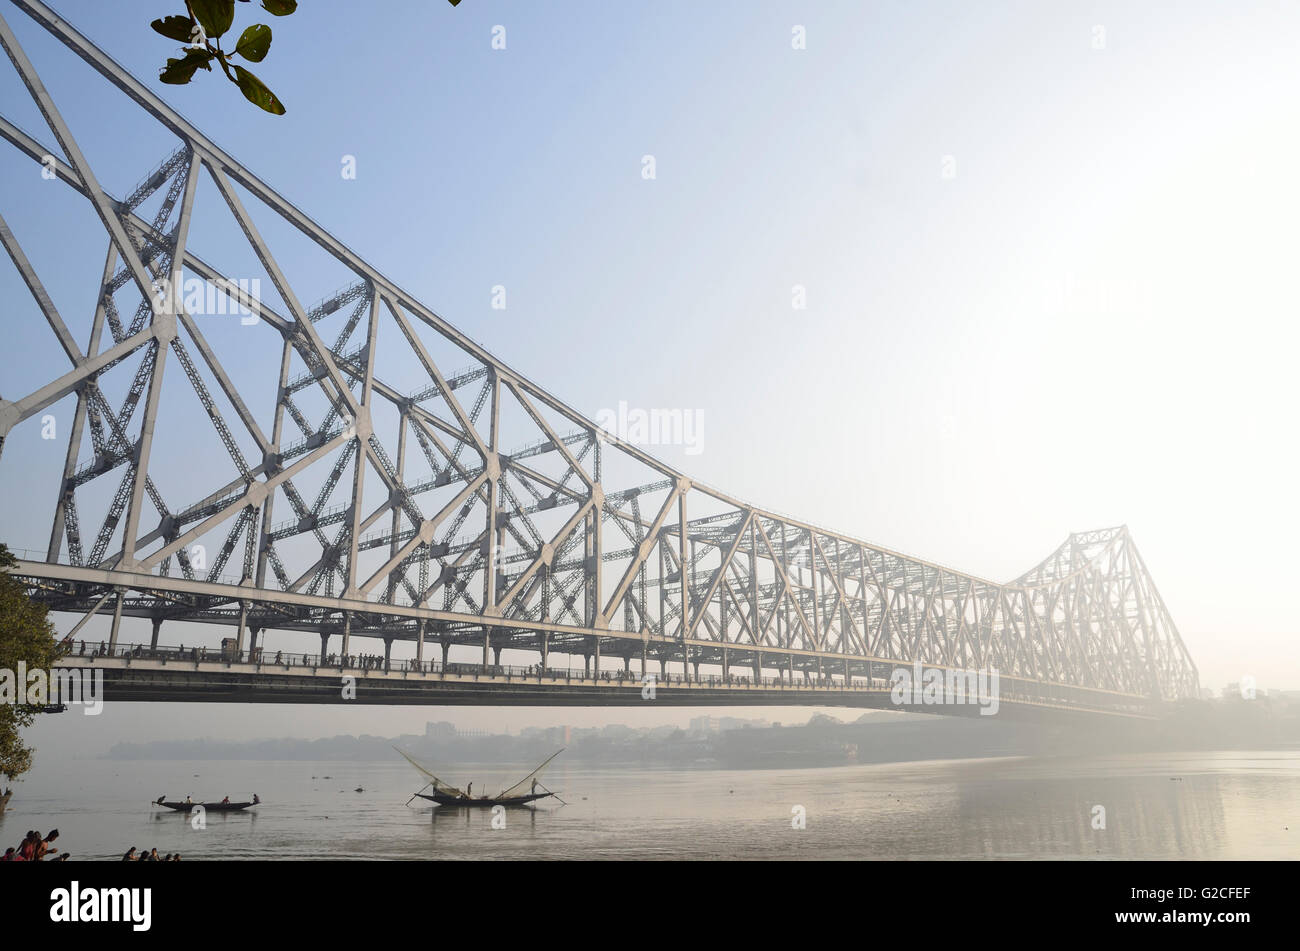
[1228, 805]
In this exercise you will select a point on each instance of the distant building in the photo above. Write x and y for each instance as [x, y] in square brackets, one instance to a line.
[736, 723]
[443, 730]
[707, 724]
[1244, 691]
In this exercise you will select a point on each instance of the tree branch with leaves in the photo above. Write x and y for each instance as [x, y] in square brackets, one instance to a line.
[201, 28]
[27, 639]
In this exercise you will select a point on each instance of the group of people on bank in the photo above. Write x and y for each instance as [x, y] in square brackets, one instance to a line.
[36, 848]
[150, 856]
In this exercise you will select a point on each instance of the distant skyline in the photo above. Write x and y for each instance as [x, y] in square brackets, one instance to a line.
[1046, 269]
[76, 735]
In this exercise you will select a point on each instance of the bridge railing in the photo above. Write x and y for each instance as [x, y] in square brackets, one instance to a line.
[375, 662]
[1010, 689]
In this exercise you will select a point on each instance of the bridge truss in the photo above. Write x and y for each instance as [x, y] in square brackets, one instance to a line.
[357, 504]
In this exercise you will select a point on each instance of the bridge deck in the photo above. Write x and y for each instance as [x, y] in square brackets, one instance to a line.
[144, 674]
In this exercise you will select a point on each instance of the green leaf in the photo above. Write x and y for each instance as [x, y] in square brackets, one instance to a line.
[215, 16]
[178, 72]
[279, 8]
[254, 42]
[255, 91]
[174, 28]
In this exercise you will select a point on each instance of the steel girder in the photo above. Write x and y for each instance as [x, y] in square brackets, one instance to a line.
[567, 539]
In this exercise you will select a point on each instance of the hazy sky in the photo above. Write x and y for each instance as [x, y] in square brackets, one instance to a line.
[1048, 252]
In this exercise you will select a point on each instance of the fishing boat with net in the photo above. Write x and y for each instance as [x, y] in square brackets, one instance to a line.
[526, 791]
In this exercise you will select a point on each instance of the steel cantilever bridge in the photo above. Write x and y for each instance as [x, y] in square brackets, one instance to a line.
[466, 509]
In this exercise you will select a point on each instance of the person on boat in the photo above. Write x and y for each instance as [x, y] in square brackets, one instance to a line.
[255, 799]
[161, 798]
[226, 801]
[153, 855]
[469, 789]
[188, 800]
[9, 854]
[130, 855]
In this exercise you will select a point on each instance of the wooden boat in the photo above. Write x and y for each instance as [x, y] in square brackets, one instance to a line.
[207, 806]
[520, 794]
[465, 802]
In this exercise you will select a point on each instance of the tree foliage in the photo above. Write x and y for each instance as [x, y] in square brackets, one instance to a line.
[201, 28]
[26, 635]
